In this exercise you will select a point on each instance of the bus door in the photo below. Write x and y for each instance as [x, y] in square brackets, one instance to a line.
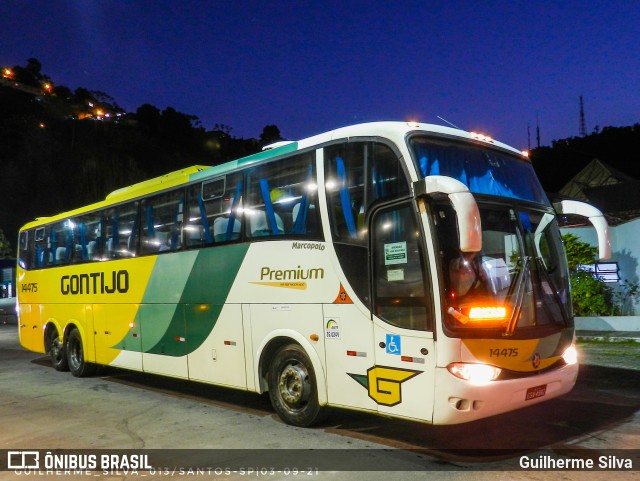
[402, 380]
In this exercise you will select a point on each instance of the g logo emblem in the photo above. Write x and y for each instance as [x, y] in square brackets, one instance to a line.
[384, 383]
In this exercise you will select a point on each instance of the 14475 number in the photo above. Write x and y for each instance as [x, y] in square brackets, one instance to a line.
[505, 352]
[29, 287]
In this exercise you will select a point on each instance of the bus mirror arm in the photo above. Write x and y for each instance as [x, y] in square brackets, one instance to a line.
[596, 218]
[467, 212]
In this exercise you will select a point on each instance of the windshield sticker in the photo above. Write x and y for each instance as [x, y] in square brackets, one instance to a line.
[395, 275]
[395, 253]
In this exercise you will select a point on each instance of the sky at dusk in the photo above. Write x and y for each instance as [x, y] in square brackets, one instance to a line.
[308, 67]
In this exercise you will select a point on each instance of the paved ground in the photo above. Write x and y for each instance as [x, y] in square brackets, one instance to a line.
[8, 310]
[611, 349]
[118, 409]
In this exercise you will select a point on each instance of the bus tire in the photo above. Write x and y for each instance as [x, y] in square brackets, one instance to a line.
[75, 356]
[292, 387]
[56, 350]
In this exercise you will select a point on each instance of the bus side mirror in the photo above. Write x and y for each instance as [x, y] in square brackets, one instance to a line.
[595, 217]
[469, 227]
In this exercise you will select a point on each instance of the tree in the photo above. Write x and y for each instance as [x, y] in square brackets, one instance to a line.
[34, 67]
[618, 147]
[578, 252]
[148, 118]
[106, 100]
[69, 155]
[590, 295]
[31, 74]
[270, 134]
[5, 246]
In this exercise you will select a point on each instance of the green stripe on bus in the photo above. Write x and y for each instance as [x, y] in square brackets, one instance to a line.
[180, 329]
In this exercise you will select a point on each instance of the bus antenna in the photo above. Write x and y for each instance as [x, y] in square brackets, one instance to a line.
[446, 121]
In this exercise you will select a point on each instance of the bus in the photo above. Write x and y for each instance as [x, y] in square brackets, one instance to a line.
[402, 269]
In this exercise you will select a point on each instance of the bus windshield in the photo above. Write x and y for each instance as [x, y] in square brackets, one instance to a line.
[482, 170]
[517, 285]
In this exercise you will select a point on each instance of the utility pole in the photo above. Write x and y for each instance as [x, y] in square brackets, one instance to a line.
[583, 126]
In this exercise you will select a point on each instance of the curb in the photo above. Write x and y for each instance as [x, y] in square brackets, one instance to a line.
[607, 337]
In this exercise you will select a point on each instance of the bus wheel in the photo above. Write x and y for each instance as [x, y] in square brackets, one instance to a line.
[292, 387]
[75, 356]
[56, 351]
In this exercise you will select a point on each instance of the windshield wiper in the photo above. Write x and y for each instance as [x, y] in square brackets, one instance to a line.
[517, 290]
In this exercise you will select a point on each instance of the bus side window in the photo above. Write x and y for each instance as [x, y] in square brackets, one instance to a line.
[227, 224]
[61, 243]
[197, 224]
[357, 176]
[282, 198]
[89, 227]
[401, 290]
[25, 249]
[162, 217]
[120, 238]
[41, 240]
[214, 212]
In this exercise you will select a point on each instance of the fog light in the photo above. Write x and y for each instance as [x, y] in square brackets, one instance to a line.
[474, 373]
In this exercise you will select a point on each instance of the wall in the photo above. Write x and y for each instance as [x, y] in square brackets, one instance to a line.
[609, 324]
[625, 250]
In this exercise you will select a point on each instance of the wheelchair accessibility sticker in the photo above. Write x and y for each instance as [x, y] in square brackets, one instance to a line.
[393, 344]
[385, 383]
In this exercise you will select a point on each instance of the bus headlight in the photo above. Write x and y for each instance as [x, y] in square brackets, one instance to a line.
[570, 356]
[474, 373]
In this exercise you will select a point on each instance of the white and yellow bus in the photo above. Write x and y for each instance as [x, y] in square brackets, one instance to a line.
[404, 269]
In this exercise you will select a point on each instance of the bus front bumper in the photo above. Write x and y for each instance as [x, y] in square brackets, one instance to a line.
[458, 401]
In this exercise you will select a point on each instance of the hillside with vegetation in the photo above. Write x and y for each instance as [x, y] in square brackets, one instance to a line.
[63, 148]
[618, 147]
[60, 149]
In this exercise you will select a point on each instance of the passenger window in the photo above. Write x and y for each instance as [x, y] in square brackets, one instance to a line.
[88, 230]
[358, 175]
[25, 253]
[282, 199]
[401, 291]
[120, 238]
[41, 247]
[162, 217]
[61, 245]
[215, 212]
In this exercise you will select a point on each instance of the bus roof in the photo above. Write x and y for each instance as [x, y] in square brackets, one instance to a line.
[392, 130]
[395, 131]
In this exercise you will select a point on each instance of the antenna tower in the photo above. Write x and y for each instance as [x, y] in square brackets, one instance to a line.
[583, 127]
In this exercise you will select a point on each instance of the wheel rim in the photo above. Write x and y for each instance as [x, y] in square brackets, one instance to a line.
[56, 347]
[75, 354]
[294, 386]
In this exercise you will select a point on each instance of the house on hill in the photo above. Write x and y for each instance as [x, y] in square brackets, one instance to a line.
[617, 195]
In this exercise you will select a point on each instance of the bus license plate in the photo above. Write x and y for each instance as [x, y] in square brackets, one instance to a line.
[535, 392]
